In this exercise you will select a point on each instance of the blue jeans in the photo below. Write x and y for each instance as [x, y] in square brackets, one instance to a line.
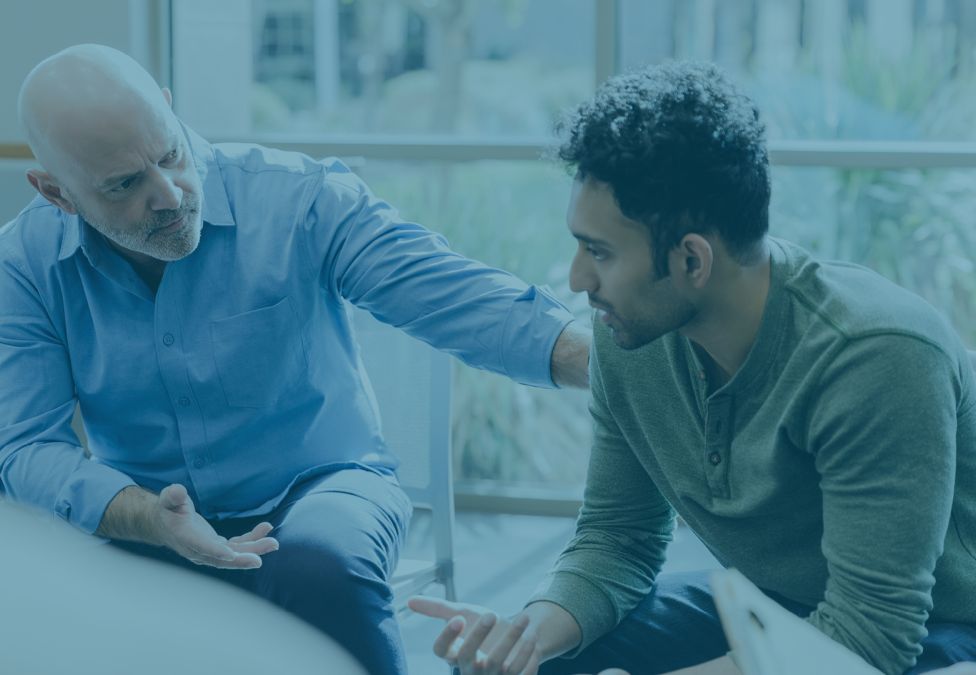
[340, 537]
[677, 626]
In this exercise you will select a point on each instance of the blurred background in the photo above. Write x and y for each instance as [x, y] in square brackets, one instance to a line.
[446, 108]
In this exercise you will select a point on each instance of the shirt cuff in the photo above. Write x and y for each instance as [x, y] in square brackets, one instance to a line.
[85, 496]
[531, 329]
[586, 602]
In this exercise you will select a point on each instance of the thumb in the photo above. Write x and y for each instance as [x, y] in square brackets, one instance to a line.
[175, 498]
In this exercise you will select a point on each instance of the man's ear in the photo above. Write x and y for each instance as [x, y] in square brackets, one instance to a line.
[50, 190]
[691, 262]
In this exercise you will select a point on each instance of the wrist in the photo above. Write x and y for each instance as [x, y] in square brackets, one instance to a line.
[570, 357]
[132, 515]
[557, 631]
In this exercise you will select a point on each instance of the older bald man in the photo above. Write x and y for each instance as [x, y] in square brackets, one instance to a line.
[192, 298]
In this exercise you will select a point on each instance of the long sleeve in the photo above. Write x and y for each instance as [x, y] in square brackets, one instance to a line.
[622, 533]
[41, 460]
[884, 436]
[406, 276]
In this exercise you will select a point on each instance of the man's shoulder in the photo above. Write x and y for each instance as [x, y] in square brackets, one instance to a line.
[855, 302]
[257, 172]
[34, 236]
[257, 160]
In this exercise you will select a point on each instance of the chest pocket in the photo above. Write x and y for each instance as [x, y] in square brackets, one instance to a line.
[259, 355]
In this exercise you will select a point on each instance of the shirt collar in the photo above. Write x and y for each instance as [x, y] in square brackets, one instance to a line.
[216, 206]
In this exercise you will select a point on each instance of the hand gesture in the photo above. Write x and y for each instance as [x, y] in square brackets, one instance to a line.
[476, 640]
[178, 526]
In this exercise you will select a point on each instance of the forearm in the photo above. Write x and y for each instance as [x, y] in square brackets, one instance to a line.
[571, 357]
[129, 516]
[56, 477]
[556, 629]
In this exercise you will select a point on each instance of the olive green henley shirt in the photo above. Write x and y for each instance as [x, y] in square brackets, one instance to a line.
[837, 467]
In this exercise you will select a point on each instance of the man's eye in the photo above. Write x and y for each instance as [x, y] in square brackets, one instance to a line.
[124, 185]
[170, 157]
[594, 253]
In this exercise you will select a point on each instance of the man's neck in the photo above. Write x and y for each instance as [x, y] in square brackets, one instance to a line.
[727, 328]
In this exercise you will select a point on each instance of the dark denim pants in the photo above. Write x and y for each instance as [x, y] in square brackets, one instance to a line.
[340, 537]
[677, 626]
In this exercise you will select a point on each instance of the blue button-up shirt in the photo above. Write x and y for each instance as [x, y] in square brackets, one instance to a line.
[241, 374]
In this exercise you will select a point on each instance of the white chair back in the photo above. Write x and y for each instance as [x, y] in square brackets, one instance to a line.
[412, 385]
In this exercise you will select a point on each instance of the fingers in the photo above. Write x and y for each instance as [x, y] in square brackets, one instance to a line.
[468, 653]
[231, 561]
[452, 631]
[434, 607]
[198, 542]
[240, 561]
[259, 547]
[259, 531]
[501, 653]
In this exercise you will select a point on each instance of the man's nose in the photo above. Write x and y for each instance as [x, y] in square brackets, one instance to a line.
[167, 195]
[581, 277]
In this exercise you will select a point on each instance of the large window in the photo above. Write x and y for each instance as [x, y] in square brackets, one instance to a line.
[446, 106]
[826, 69]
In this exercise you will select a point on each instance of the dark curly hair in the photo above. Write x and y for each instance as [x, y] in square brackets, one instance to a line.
[682, 150]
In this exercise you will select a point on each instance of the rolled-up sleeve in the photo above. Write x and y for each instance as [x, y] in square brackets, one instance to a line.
[407, 276]
[42, 462]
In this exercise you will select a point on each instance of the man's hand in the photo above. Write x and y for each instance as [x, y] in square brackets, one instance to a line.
[477, 641]
[170, 519]
[571, 357]
[180, 528]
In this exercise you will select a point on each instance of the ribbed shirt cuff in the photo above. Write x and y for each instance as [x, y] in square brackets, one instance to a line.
[531, 329]
[586, 602]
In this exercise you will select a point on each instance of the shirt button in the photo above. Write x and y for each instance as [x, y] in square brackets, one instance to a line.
[715, 458]
[184, 401]
[199, 463]
[168, 339]
[701, 374]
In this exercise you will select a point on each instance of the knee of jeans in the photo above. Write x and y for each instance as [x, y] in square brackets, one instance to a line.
[332, 572]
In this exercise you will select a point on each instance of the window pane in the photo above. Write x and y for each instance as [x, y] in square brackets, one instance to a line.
[441, 67]
[511, 215]
[850, 69]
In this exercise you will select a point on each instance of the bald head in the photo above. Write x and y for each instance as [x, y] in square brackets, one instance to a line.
[80, 98]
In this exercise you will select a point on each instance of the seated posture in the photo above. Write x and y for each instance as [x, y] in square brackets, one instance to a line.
[192, 298]
[812, 423]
